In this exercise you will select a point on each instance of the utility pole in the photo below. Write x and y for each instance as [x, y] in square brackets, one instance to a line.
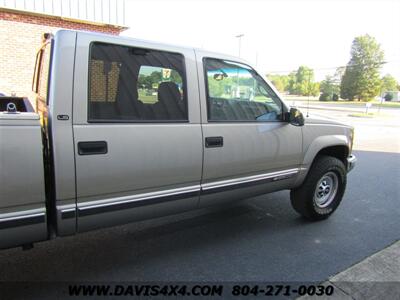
[256, 59]
[309, 92]
[239, 36]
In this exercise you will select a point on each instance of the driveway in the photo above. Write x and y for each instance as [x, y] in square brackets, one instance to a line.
[260, 239]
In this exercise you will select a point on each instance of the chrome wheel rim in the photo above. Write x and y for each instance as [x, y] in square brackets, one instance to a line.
[326, 190]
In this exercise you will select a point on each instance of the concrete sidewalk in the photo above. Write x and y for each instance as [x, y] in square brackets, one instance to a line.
[376, 277]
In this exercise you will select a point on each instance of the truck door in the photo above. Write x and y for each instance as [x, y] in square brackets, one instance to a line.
[249, 149]
[137, 134]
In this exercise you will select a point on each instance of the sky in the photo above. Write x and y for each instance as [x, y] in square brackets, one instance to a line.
[279, 36]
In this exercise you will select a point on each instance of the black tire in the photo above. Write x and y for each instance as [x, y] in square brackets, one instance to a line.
[306, 199]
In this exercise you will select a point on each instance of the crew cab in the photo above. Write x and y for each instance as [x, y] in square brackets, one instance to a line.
[125, 130]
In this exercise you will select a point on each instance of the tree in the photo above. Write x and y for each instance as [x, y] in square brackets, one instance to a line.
[329, 88]
[156, 76]
[339, 74]
[302, 82]
[311, 89]
[144, 81]
[361, 78]
[279, 81]
[389, 84]
[291, 87]
[176, 77]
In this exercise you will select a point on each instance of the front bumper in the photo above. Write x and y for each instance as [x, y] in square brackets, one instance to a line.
[351, 162]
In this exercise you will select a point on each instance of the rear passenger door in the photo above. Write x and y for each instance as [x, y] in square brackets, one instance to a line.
[138, 143]
[249, 149]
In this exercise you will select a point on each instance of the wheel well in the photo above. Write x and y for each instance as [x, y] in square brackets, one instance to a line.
[340, 152]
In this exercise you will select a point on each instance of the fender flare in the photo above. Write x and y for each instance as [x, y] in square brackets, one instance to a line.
[317, 145]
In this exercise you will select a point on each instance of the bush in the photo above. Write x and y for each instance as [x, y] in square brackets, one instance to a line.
[325, 97]
[328, 97]
[388, 97]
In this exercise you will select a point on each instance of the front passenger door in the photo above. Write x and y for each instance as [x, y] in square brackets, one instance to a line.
[249, 149]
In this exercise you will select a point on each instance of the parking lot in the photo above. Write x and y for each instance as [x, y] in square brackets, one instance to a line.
[259, 239]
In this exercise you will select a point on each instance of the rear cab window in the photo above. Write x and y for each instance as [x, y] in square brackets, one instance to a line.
[128, 84]
[41, 79]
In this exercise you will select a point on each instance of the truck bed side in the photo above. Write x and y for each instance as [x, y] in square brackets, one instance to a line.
[22, 190]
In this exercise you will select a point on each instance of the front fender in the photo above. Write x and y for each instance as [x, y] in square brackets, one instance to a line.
[322, 142]
[314, 143]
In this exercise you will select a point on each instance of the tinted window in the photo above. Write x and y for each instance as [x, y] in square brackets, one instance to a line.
[237, 93]
[41, 72]
[41, 80]
[132, 84]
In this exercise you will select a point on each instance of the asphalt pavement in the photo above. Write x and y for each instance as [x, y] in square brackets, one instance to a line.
[260, 239]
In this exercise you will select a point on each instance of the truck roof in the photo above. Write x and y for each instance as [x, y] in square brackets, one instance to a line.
[156, 44]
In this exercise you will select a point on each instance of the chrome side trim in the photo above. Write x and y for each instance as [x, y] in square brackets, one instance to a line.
[131, 201]
[67, 211]
[22, 214]
[23, 218]
[274, 176]
[118, 203]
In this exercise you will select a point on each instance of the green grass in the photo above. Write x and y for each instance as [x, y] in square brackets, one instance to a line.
[362, 115]
[370, 115]
[149, 99]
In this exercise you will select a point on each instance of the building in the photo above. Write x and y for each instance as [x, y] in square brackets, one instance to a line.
[22, 23]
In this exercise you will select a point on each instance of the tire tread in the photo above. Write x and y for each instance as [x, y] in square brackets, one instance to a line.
[302, 197]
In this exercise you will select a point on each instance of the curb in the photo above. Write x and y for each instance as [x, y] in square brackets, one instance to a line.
[375, 277]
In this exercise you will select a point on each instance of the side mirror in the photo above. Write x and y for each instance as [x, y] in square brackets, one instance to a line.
[220, 76]
[295, 117]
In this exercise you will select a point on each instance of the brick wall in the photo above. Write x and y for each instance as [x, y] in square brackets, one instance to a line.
[20, 39]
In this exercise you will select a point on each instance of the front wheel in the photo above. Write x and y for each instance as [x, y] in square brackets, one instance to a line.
[322, 191]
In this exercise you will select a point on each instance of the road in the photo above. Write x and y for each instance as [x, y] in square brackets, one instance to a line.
[350, 106]
[380, 133]
[259, 239]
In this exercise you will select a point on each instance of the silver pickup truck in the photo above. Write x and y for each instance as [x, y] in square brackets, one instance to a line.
[125, 130]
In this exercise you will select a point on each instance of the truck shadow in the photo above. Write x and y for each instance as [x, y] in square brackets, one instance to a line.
[88, 254]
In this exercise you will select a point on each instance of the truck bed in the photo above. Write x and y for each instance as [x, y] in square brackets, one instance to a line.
[22, 187]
